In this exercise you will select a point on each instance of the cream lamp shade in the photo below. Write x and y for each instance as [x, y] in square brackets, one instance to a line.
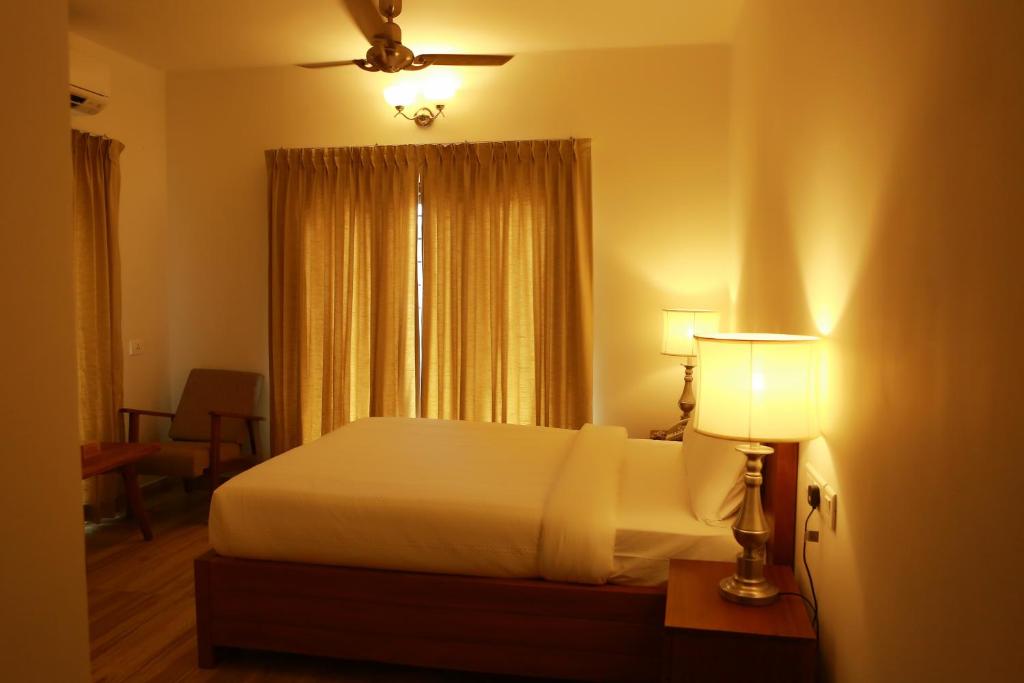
[758, 387]
[440, 88]
[400, 95]
[678, 327]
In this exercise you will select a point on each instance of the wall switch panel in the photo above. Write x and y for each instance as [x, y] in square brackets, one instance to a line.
[829, 498]
[134, 347]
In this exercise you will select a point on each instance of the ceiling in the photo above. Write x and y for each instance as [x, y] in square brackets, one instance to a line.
[179, 35]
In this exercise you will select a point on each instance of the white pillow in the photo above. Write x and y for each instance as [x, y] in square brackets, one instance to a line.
[714, 476]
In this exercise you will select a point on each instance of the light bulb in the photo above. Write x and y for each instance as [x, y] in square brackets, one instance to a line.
[757, 382]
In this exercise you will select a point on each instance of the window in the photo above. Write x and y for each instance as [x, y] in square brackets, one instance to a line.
[505, 335]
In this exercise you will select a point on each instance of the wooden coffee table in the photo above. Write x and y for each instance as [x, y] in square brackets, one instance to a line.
[101, 458]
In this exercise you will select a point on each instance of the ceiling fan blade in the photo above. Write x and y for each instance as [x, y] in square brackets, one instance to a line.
[324, 65]
[463, 60]
[367, 18]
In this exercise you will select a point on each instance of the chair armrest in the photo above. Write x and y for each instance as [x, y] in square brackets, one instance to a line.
[133, 420]
[215, 439]
[151, 413]
[236, 416]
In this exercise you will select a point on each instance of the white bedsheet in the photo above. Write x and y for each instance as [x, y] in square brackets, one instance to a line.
[432, 496]
[655, 521]
[470, 498]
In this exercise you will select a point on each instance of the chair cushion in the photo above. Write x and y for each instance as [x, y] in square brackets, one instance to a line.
[230, 391]
[185, 458]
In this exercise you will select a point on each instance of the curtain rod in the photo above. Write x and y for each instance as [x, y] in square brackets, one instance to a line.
[435, 144]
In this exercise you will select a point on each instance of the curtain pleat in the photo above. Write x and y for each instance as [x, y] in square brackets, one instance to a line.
[97, 186]
[343, 338]
[507, 282]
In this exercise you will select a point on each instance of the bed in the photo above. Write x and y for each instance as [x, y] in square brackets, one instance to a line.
[496, 548]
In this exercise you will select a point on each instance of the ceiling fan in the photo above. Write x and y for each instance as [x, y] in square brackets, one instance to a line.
[386, 51]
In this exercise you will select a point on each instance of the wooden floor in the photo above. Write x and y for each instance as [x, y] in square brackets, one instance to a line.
[142, 615]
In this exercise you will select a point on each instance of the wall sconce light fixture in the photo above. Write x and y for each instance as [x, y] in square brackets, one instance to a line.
[423, 117]
[437, 89]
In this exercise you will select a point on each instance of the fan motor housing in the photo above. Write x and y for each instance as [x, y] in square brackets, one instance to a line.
[390, 58]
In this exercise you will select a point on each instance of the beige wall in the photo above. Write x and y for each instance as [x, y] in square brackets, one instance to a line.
[43, 626]
[878, 192]
[661, 235]
[136, 116]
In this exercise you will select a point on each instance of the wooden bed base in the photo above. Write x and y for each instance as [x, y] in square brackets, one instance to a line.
[523, 627]
[526, 627]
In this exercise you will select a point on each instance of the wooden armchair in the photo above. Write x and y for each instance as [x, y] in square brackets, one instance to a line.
[215, 418]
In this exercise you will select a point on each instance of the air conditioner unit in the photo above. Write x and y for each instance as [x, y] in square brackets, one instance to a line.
[85, 101]
[89, 83]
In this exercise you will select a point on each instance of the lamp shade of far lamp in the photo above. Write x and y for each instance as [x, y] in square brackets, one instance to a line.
[758, 387]
[679, 325]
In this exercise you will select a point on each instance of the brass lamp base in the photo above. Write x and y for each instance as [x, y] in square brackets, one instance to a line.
[687, 402]
[673, 433]
[746, 592]
[748, 586]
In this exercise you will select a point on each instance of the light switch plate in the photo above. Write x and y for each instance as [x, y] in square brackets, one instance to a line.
[134, 347]
[829, 498]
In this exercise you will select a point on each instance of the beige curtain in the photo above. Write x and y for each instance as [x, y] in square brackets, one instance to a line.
[97, 188]
[507, 299]
[343, 339]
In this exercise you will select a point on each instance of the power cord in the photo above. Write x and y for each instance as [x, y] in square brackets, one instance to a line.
[814, 498]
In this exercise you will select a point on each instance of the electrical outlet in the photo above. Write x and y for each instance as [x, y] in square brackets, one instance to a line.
[134, 347]
[829, 498]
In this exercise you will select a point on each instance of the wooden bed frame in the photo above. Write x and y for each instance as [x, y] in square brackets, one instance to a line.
[526, 627]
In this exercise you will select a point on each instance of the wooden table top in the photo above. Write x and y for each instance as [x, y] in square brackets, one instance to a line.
[693, 603]
[98, 458]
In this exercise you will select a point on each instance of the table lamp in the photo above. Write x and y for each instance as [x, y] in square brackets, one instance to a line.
[678, 327]
[756, 388]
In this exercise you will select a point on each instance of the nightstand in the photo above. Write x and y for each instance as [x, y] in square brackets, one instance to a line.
[711, 640]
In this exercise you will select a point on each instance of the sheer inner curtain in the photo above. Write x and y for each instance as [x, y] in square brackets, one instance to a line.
[507, 283]
[343, 337]
[97, 187]
[506, 310]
